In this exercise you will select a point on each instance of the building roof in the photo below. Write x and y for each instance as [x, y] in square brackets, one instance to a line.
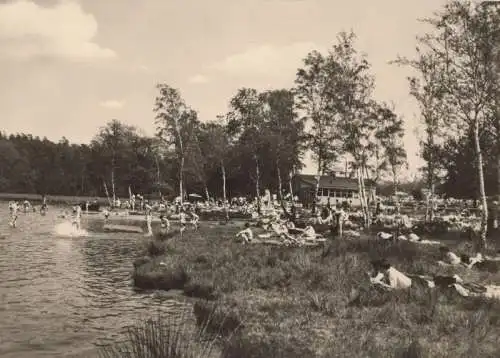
[330, 182]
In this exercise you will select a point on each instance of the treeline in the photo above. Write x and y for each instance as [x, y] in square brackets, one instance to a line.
[258, 144]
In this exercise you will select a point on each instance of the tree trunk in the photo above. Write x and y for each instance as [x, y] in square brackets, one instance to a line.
[361, 196]
[206, 193]
[224, 197]
[181, 178]
[280, 183]
[316, 190]
[257, 183]
[430, 203]
[107, 193]
[365, 200]
[291, 187]
[113, 180]
[395, 185]
[482, 191]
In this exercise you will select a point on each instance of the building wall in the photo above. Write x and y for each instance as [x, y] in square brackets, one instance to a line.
[306, 196]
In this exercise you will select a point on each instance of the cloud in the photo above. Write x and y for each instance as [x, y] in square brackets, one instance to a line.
[65, 30]
[266, 59]
[198, 79]
[112, 103]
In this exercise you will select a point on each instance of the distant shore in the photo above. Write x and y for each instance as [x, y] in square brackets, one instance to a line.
[55, 199]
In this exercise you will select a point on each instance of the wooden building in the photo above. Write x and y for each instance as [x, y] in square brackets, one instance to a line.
[337, 188]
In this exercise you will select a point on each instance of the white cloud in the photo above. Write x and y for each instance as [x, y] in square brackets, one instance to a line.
[266, 59]
[112, 103]
[28, 30]
[198, 79]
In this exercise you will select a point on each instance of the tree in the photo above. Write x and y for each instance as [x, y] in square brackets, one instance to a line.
[351, 88]
[285, 132]
[313, 97]
[175, 124]
[217, 136]
[246, 123]
[427, 88]
[112, 144]
[459, 44]
[390, 134]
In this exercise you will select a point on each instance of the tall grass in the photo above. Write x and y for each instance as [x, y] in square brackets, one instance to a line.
[173, 337]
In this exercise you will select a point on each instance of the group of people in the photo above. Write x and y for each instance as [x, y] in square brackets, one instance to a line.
[15, 207]
[184, 217]
[386, 276]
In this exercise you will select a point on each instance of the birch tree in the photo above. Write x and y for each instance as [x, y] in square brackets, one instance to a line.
[350, 89]
[458, 42]
[428, 90]
[313, 94]
[174, 124]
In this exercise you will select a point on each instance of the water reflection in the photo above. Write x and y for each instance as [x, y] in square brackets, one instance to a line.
[60, 295]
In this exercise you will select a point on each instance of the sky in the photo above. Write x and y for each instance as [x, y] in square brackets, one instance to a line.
[67, 67]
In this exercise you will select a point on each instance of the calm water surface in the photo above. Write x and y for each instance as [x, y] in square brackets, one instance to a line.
[62, 296]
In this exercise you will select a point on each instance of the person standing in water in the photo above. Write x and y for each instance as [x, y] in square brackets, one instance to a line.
[43, 208]
[77, 219]
[13, 207]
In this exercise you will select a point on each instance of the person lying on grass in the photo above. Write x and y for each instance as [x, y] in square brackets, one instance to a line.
[246, 234]
[449, 258]
[387, 276]
[467, 289]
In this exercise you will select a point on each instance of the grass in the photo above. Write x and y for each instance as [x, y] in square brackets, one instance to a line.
[316, 302]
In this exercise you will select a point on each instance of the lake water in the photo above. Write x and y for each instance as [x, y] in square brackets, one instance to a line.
[62, 296]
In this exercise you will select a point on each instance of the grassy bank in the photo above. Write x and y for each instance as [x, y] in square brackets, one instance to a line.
[316, 302]
[52, 199]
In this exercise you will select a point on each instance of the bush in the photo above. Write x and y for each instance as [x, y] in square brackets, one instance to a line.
[152, 276]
